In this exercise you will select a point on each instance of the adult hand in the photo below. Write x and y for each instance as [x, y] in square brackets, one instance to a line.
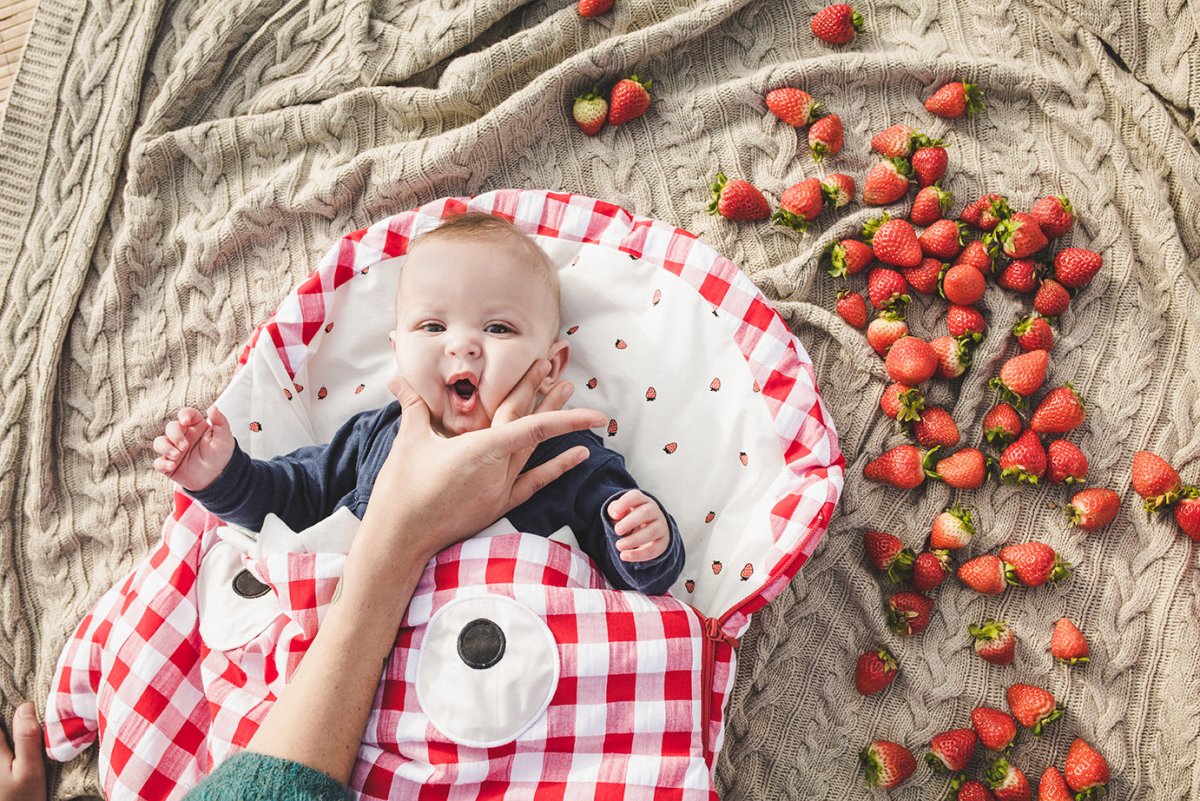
[22, 772]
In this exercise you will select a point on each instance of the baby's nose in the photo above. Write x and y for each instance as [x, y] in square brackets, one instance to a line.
[463, 346]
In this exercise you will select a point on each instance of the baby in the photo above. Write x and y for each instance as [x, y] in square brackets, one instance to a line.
[477, 305]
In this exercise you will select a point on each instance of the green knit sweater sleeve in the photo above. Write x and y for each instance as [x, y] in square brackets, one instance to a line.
[247, 776]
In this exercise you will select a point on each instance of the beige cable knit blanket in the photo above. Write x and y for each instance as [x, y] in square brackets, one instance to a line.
[168, 171]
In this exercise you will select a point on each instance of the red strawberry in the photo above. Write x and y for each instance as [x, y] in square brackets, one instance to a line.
[1076, 267]
[888, 764]
[911, 361]
[1059, 412]
[1008, 782]
[902, 403]
[1094, 508]
[951, 751]
[893, 242]
[1024, 460]
[1021, 376]
[888, 554]
[995, 641]
[963, 320]
[825, 137]
[1053, 787]
[974, 791]
[986, 212]
[1034, 563]
[930, 205]
[887, 288]
[908, 612]
[1052, 298]
[886, 182]
[985, 574]
[1066, 464]
[852, 308]
[847, 257]
[800, 204]
[1001, 424]
[594, 8]
[963, 285]
[1155, 480]
[838, 188]
[794, 106]
[836, 24]
[977, 255]
[900, 467]
[629, 99]
[955, 99]
[737, 200]
[894, 142]
[924, 277]
[936, 426]
[1067, 643]
[874, 671]
[965, 469]
[1033, 707]
[1053, 213]
[954, 356]
[952, 529]
[1034, 333]
[1187, 513]
[590, 110]
[1020, 236]
[1020, 275]
[942, 240]
[1086, 770]
[996, 729]
[887, 327]
[928, 161]
[929, 570]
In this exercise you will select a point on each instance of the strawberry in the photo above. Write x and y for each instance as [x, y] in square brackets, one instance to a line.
[1020, 275]
[942, 240]
[986, 213]
[887, 289]
[888, 554]
[1065, 463]
[1001, 424]
[1024, 460]
[894, 142]
[985, 574]
[1086, 770]
[886, 182]
[888, 764]
[737, 200]
[996, 729]
[1033, 333]
[1187, 513]
[1093, 508]
[952, 529]
[1053, 213]
[887, 327]
[954, 356]
[1051, 299]
[836, 24]
[1033, 707]
[928, 160]
[995, 641]
[908, 612]
[902, 403]
[838, 188]
[1021, 376]
[590, 110]
[594, 8]
[1155, 480]
[962, 285]
[1076, 267]
[852, 308]
[1020, 236]
[977, 255]
[964, 469]
[900, 467]
[955, 99]
[1067, 643]
[1008, 783]
[924, 277]
[974, 791]
[930, 205]
[1053, 787]
[1035, 563]
[1059, 412]
[929, 570]
[629, 99]
[936, 426]
[847, 257]
[963, 320]
[911, 361]
[893, 241]
[800, 204]
[874, 671]
[951, 751]
[825, 137]
[796, 107]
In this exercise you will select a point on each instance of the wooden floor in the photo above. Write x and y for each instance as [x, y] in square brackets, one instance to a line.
[16, 16]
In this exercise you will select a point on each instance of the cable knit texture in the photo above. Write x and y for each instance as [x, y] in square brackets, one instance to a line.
[168, 170]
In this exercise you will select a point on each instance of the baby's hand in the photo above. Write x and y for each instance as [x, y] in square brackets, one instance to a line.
[642, 526]
[191, 452]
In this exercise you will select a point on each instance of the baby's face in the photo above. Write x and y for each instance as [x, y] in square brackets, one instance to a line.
[470, 320]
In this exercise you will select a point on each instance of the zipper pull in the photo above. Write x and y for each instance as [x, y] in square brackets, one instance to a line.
[712, 630]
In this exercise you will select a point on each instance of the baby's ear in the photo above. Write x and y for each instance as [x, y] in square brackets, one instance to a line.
[559, 354]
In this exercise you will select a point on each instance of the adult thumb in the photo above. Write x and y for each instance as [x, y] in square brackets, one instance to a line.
[27, 743]
[412, 405]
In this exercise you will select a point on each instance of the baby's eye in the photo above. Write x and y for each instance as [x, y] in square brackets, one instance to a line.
[503, 329]
[433, 328]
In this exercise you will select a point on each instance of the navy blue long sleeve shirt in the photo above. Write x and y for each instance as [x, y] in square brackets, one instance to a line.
[308, 484]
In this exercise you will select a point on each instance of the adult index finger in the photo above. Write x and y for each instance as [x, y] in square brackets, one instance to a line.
[527, 432]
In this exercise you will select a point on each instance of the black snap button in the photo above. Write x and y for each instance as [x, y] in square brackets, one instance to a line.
[481, 644]
[247, 586]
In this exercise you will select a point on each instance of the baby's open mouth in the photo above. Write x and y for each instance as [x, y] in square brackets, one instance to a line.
[464, 388]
